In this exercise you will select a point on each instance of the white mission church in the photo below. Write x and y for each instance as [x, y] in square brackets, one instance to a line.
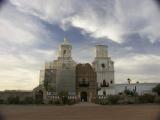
[84, 81]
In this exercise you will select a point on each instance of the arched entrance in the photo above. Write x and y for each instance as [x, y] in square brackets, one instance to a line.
[39, 96]
[84, 96]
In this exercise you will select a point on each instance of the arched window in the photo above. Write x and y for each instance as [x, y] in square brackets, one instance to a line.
[64, 52]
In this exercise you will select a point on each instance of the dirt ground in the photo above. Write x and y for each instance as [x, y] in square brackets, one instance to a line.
[81, 112]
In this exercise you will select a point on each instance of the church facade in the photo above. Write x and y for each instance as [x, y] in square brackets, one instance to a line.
[85, 81]
[82, 82]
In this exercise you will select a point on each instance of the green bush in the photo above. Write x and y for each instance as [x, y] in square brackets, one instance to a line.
[64, 97]
[71, 102]
[51, 102]
[1, 101]
[39, 101]
[13, 100]
[157, 89]
[129, 92]
[28, 100]
[146, 98]
[64, 100]
[57, 102]
[113, 99]
[157, 99]
[104, 103]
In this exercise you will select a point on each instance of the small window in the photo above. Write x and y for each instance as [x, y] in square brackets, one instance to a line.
[111, 82]
[104, 93]
[103, 65]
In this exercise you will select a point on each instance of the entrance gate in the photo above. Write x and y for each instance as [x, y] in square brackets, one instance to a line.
[84, 96]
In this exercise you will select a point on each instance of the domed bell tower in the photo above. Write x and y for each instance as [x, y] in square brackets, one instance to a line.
[104, 68]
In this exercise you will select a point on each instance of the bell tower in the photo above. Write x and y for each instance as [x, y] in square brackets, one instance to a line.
[104, 67]
[65, 69]
[65, 49]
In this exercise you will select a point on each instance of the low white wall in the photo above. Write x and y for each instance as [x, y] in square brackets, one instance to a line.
[140, 88]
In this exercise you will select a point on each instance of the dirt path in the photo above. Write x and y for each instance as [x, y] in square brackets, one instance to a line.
[81, 112]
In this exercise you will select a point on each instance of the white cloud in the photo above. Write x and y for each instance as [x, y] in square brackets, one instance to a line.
[18, 72]
[19, 79]
[21, 71]
[50, 10]
[139, 67]
[14, 34]
[106, 19]
[20, 28]
[108, 30]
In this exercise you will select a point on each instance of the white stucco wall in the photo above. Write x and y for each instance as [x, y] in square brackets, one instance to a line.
[104, 68]
[141, 88]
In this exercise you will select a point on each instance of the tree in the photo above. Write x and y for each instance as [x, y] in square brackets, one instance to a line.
[157, 89]
[63, 96]
[129, 92]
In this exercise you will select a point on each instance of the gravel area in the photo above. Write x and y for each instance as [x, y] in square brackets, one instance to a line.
[80, 112]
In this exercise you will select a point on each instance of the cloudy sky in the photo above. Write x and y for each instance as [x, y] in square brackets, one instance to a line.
[31, 30]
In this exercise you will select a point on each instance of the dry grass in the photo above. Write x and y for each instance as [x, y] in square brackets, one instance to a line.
[84, 112]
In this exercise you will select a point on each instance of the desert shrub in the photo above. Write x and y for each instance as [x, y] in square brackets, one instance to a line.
[13, 100]
[96, 101]
[125, 99]
[120, 93]
[57, 102]
[130, 101]
[28, 100]
[71, 102]
[64, 100]
[146, 98]
[157, 99]
[64, 97]
[129, 92]
[51, 102]
[104, 103]
[38, 101]
[1, 101]
[113, 99]
[157, 89]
